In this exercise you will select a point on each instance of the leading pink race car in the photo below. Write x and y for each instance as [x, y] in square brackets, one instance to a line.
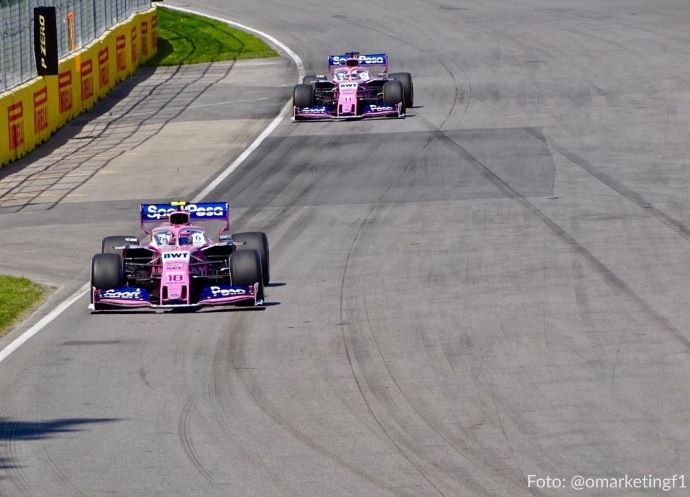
[356, 86]
[180, 265]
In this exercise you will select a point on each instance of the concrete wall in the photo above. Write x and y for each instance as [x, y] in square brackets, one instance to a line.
[32, 112]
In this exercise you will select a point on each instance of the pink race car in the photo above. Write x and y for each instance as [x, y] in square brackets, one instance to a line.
[179, 265]
[356, 86]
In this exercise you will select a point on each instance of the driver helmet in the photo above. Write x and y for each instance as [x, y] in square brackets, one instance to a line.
[185, 238]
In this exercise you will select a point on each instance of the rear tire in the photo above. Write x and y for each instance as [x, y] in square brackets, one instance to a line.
[245, 270]
[110, 242]
[303, 96]
[405, 79]
[107, 271]
[255, 240]
[309, 79]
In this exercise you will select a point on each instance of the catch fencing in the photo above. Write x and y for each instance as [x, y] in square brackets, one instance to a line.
[79, 22]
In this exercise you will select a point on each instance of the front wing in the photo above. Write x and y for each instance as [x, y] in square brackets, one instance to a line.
[132, 298]
[329, 112]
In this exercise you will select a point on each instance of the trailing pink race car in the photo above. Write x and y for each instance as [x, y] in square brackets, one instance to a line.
[356, 86]
[179, 265]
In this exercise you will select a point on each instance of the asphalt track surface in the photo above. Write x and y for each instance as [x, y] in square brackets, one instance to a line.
[494, 287]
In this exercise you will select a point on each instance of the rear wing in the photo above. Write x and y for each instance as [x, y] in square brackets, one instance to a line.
[375, 59]
[199, 211]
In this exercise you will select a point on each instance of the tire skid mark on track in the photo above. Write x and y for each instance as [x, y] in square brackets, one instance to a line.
[273, 412]
[16, 475]
[483, 454]
[357, 374]
[187, 443]
[440, 62]
[352, 343]
[609, 276]
[50, 462]
[356, 369]
[631, 195]
[440, 432]
[217, 392]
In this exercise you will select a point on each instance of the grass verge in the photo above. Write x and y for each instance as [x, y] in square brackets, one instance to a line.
[190, 39]
[18, 297]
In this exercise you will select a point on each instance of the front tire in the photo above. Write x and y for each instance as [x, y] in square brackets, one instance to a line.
[245, 270]
[303, 96]
[107, 271]
[405, 79]
[255, 240]
[393, 93]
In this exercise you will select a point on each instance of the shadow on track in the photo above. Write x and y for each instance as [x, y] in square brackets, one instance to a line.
[13, 431]
[35, 430]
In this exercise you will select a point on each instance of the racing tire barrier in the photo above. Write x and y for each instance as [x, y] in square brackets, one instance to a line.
[32, 112]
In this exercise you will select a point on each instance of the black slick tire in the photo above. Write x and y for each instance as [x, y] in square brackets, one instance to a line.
[110, 242]
[392, 93]
[303, 96]
[107, 271]
[245, 270]
[256, 240]
[405, 79]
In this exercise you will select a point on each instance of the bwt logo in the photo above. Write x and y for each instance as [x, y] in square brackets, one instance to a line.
[348, 86]
[175, 256]
[119, 293]
[217, 291]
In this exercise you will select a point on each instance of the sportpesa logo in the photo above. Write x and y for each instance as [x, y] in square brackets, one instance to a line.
[313, 110]
[363, 59]
[380, 108]
[217, 291]
[123, 294]
[154, 211]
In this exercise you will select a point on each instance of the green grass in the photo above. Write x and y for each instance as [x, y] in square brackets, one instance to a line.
[191, 39]
[18, 296]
